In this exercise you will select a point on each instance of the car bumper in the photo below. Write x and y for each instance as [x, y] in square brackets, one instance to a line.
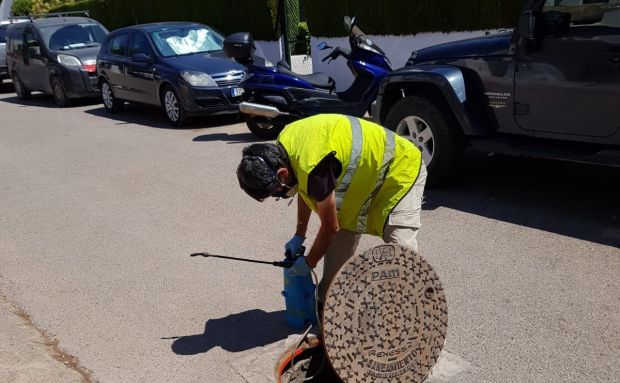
[79, 83]
[202, 101]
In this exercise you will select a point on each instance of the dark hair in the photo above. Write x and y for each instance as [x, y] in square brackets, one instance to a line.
[257, 171]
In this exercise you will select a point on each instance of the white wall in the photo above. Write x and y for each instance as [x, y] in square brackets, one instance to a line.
[5, 9]
[271, 50]
[397, 48]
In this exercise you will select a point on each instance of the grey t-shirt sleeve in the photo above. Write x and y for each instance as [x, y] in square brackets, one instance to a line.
[323, 178]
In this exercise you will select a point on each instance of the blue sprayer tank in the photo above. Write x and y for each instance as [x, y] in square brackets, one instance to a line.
[300, 300]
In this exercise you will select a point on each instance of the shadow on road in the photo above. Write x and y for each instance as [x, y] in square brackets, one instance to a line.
[570, 199]
[235, 138]
[236, 333]
[6, 87]
[154, 117]
[41, 100]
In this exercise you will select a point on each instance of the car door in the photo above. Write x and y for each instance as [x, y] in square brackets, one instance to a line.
[141, 70]
[34, 73]
[568, 78]
[113, 64]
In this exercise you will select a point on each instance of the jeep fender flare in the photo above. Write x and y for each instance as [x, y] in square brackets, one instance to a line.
[444, 79]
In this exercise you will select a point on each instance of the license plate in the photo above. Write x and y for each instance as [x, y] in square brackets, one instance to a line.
[236, 92]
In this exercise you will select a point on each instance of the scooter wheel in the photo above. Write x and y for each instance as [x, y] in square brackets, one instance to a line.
[263, 128]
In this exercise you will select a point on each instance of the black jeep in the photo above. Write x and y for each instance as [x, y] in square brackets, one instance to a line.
[549, 88]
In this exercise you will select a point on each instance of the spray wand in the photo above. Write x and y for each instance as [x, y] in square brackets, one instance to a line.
[284, 264]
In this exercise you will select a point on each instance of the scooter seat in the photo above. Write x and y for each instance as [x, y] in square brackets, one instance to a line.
[320, 80]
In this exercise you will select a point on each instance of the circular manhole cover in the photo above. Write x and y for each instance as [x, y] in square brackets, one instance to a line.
[385, 317]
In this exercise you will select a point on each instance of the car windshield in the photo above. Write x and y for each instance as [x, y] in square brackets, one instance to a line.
[74, 36]
[186, 41]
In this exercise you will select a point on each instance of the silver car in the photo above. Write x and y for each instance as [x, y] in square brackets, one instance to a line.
[4, 25]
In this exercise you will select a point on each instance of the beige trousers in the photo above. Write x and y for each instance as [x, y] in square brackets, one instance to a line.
[401, 228]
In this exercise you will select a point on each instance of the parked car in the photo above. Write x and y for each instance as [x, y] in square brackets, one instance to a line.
[549, 88]
[4, 25]
[178, 66]
[55, 55]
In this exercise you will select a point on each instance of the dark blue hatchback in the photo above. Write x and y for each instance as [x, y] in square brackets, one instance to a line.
[178, 66]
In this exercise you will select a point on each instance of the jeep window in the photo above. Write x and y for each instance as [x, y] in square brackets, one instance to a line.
[75, 36]
[117, 46]
[186, 41]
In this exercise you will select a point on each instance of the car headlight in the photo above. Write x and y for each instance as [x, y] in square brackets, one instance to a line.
[198, 79]
[68, 60]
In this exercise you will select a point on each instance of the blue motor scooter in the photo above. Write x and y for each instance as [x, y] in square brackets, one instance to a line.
[275, 96]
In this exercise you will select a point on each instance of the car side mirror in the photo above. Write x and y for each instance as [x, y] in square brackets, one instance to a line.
[527, 25]
[141, 58]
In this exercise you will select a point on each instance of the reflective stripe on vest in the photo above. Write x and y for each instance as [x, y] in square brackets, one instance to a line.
[354, 159]
[388, 157]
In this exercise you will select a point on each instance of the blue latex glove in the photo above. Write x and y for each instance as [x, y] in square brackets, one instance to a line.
[291, 249]
[300, 268]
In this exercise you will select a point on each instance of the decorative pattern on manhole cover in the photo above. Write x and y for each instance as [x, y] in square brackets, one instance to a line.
[385, 317]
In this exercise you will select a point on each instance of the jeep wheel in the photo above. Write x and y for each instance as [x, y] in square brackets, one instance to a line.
[58, 91]
[110, 102]
[22, 92]
[263, 127]
[432, 130]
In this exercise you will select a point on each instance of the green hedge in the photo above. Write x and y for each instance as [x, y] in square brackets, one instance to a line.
[21, 7]
[302, 41]
[403, 17]
[228, 16]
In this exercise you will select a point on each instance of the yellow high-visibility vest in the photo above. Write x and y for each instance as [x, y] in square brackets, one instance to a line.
[378, 166]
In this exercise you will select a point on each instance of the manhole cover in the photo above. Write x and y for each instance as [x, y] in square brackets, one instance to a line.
[385, 317]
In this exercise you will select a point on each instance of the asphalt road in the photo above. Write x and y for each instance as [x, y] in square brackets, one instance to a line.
[99, 214]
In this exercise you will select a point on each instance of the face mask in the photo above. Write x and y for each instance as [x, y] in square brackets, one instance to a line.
[286, 192]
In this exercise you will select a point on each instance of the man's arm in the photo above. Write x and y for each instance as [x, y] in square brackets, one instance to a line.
[303, 217]
[329, 226]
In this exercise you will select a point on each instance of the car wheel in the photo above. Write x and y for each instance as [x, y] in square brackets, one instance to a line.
[22, 92]
[58, 90]
[263, 127]
[433, 131]
[173, 107]
[110, 102]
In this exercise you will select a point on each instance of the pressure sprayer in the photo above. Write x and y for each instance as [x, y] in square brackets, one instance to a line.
[299, 291]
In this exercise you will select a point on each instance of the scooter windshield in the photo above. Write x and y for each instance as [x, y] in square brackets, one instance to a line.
[363, 42]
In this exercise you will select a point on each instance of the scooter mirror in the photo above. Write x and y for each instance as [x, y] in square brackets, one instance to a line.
[322, 45]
